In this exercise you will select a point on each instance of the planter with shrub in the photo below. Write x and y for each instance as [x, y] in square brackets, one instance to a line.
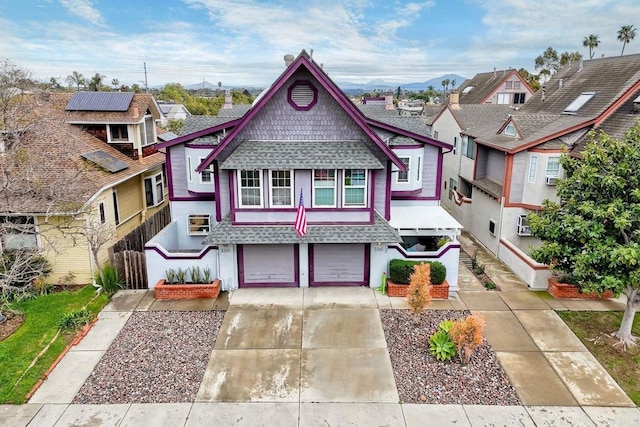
[559, 289]
[187, 284]
[400, 270]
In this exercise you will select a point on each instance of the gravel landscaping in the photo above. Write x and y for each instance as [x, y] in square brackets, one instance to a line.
[158, 357]
[420, 378]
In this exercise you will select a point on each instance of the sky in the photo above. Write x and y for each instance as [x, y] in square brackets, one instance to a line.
[243, 42]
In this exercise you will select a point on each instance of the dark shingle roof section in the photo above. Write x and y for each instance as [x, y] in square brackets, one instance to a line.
[301, 155]
[413, 124]
[374, 111]
[226, 233]
[235, 112]
[482, 84]
[105, 161]
[194, 124]
[100, 101]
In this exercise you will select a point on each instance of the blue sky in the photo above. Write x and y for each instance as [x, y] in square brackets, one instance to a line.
[243, 41]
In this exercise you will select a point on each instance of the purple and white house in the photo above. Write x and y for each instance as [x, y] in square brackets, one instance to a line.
[368, 177]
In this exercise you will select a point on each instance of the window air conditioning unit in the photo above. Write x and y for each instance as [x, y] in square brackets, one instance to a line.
[524, 230]
[551, 180]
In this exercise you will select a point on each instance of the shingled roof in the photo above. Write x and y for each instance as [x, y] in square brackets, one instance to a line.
[478, 88]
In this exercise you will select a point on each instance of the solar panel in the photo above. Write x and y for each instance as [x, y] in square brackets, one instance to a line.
[100, 101]
[105, 161]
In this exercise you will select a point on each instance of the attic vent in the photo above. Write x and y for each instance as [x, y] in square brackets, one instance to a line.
[579, 102]
[302, 95]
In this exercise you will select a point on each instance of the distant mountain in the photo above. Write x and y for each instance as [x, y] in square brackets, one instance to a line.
[202, 85]
[381, 85]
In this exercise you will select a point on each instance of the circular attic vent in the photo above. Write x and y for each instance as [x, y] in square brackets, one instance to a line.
[302, 95]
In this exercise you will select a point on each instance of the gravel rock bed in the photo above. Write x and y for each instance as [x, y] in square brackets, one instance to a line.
[420, 378]
[158, 357]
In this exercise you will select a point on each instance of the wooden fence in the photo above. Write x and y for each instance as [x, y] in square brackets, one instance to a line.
[127, 255]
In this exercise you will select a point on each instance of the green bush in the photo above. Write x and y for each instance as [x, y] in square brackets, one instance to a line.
[441, 346]
[107, 281]
[400, 270]
[75, 320]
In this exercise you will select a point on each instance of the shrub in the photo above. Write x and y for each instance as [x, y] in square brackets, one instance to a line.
[75, 320]
[419, 292]
[441, 346]
[467, 335]
[445, 325]
[107, 281]
[400, 270]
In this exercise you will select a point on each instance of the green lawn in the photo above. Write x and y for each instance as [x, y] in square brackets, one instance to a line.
[40, 326]
[593, 329]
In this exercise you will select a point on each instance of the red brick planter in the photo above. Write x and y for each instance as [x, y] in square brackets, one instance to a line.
[567, 290]
[186, 291]
[440, 291]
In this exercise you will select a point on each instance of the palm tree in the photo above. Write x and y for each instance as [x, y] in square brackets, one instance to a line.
[625, 34]
[96, 82]
[76, 79]
[592, 42]
[444, 84]
[453, 84]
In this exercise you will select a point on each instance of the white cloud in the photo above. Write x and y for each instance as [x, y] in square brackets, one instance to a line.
[85, 10]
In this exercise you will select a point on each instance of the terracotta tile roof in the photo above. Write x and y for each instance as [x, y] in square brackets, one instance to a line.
[53, 177]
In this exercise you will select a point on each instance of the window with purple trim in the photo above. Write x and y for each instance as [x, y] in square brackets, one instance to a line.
[206, 176]
[324, 188]
[281, 189]
[355, 188]
[250, 188]
[404, 176]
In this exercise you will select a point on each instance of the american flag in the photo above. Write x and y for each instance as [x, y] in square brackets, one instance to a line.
[301, 218]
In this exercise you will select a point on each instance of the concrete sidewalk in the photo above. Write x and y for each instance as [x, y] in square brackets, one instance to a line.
[303, 373]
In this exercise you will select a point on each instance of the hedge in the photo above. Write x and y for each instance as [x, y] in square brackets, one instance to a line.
[400, 270]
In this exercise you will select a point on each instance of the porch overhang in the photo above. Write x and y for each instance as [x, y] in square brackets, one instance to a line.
[424, 221]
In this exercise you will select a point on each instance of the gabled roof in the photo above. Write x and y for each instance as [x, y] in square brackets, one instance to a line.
[477, 89]
[200, 130]
[139, 104]
[304, 61]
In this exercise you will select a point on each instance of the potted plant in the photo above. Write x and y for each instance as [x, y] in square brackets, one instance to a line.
[187, 283]
[399, 276]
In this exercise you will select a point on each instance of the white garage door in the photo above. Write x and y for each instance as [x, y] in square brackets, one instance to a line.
[268, 265]
[336, 264]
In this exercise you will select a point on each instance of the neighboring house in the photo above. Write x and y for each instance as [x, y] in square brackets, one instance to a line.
[368, 182]
[511, 164]
[504, 87]
[103, 174]
[411, 108]
[172, 111]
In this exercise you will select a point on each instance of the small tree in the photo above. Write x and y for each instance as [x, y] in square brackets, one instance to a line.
[593, 232]
[467, 333]
[419, 291]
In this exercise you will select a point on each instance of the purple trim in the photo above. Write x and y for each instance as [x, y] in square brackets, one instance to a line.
[406, 193]
[200, 146]
[271, 224]
[418, 137]
[200, 255]
[307, 209]
[304, 60]
[216, 188]
[387, 203]
[296, 272]
[202, 193]
[415, 198]
[407, 147]
[203, 198]
[307, 83]
[167, 158]
[372, 192]
[200, 133]
[406, 254]
[232, 195]
[366, 272]
[439, 175]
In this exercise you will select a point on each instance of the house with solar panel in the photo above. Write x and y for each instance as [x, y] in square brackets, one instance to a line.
[505, 161]
[367, 178]
[104, 170]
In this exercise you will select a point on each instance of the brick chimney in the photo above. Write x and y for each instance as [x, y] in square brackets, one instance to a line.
[228, 99]
[388, 101]
[454, 100]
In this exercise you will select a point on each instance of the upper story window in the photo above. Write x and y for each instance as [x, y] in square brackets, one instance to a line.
[516, 85]
[533, 169]
[508, 85]
[519, 98]
[510, 130]
[418, 169]
[206, 176]
[324, 188]
[281, 188]
[355, 186]
[455, 145]
[579, 102]
[553, 167]
[250, 188]
[302, 95]
[468, 147]
[154, 190]
[503, 98]
[119, 133]
[404, 176]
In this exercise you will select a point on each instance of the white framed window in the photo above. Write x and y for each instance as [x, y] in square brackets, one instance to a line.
[492, 227]
[250, 188]
[324, 188]
[468, 147]
[504, 98]
[455, 145]
[508, 85]
[553, 167]
[516, 84]
[404, 176]
[154, 190]
[533, 169]
[206, 176]
[199, 224]
[281, 189]
[118, 133]
[354, 188]
[418, 168]
[519, 98]
[189, 169]
[523, 226]
[510, 130]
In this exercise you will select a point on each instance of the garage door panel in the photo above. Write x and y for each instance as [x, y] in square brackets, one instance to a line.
[269, 265]
[340, 264]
